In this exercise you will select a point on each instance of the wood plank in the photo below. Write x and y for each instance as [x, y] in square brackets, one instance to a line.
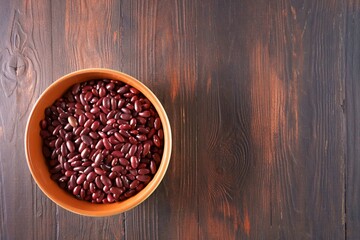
[26, 71]
[87, 34]
[224, 121]
[161, 53]
[274, 136]
[351, 108]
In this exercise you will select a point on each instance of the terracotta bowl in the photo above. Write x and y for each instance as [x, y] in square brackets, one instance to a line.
[36, 160]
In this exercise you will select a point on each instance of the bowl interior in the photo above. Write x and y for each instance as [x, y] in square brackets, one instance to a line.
[36, 160]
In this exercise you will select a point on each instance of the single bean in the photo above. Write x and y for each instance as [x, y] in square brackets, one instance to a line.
[157, 140]
[105, 180]
[85, 153]
[88, 170]
[134, 162]
[86, 139]
[99, 171]
[98, 182]
[91, 177]
[143, 171]
[81, 179]
[143, 178]
[153, 167]
[79, 169]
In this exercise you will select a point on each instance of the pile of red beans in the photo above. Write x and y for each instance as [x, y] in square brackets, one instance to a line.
[103, 141]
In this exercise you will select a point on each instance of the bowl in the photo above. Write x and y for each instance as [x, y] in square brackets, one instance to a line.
[37, 163]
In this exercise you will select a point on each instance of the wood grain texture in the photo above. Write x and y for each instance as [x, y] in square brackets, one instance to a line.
[351, 108]
[262, 97]
[22, 57]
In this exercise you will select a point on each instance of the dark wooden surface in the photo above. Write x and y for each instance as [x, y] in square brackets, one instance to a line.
[263, 99]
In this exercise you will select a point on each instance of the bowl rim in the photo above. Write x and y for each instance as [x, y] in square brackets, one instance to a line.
[152, 185]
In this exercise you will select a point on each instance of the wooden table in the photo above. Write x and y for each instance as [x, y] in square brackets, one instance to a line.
[263, 99]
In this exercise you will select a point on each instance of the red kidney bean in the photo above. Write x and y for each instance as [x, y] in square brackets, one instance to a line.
[125, 148]
[124, 161]
[140, 187]
[86, 163]
[105, 180]
[116, 190]
[157, 140]
[137, 106]
[85, 153]
[153, 167]
[134, 162]
[102, 118]
[117, 154]
[88, 123]
[70, 145]
[91, 177]
[82, 193]
[157, 123]
[92, 187]
[72, 182]
[86, 139]
[82, 146]
[67, 166]
[119, 182]
[63, 150]
[117, 168]
[82, 120]
[99, 171]
[94, 110]
[107, 128]
[72, 121]
[126, 110]
[143, 171]
[96, 194]
[85, 131]
[106, 189]
[133, 140]
[106, 102]
[88, 96]
[113, 103]
[112, 114]
[145, 114]
[130, 193]
[107, 144]
[95, 125]
[79, 169]
[143, 178]
[81, 179]
[141, 137]
[125, 127]
[94, 135]
[146, 149]
[113, 175]
[118, 147]
[151, 133]
[132, 150]
[90, 116]
[113, 140]
[99, 144]
[88, 170]
[160, 134]
[102, 92]
[98, 182]
[134, 184]
[76, 190]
